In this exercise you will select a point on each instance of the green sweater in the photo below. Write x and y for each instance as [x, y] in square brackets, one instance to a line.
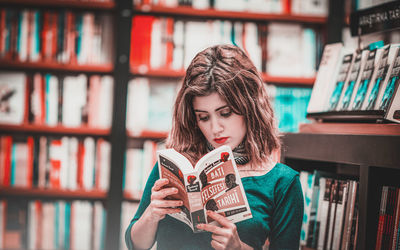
[276, 202]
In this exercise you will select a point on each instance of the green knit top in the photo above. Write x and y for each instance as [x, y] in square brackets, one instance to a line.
[276, 203]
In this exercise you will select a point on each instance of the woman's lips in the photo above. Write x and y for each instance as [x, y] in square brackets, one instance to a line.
[220, 140]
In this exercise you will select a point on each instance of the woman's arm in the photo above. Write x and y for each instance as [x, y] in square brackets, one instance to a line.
[287, 217]
[153, 207]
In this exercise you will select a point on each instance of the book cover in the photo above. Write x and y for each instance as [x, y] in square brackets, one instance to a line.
[379, 81]
[341, 79]
[212, 184]
[366, 78]
[12, 97]
[392, 83]
[353, 80]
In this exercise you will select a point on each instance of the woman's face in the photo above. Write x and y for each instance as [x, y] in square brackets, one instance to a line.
[218, 123]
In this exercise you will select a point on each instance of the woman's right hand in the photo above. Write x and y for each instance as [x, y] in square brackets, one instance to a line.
[159, 205]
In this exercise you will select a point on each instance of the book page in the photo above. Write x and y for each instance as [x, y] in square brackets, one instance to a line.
[221, 187]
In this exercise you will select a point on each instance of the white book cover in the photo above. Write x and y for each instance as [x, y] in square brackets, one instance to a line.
[138, 105]
[105, 113]
[81, 225]
[94, 101]
[47, 237]
[19, 164]
[380, 78]
[391, 98]
[98, 225]
[88, 20]
[161, 102]
[157, 55]
[178, 38]
[103, 164]
[32, 226]
[284, 46]
[322, 215]
[133, 172]
[74, 100]
[251, 44]
[259, 6]
[324, 81]
[88, 163]
[12, 97]
[232, 5]
[72, 183]
[43, 158]
[309, 49]
[340, 213]
[23, 35]
[127, 211]
[35, 54]
[51, 83]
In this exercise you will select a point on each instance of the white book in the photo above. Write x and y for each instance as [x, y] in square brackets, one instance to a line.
[94, 101]
[251, 44]
[340, 213]
[81, 225]
[87, 38]
[157, 55]
[23, 33]
[98, 225]
[309, 49]
[19, 164]
[12, 96]
[105, 108]
[232, 5]
[88, 163]
[201, 4]
[51, 83]
[324, 81]
[32, 226]
[103, 164]
[47, 237]
[43, 158]
[178, 38]
[284, 46]
[74, 100]
[323, 206]
[72, 183]
[137, 105]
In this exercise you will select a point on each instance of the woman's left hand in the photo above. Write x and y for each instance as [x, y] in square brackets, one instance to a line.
[224, 236]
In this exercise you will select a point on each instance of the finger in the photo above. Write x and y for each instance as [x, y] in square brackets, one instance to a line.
[216, 245]
[167, 203]
[161, 194]
[220, 219]
[167, 210]
[212, 228]
[159, 184]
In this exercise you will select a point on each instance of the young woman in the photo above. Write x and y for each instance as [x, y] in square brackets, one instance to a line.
[223, 101]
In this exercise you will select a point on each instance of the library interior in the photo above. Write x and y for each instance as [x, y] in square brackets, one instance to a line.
[87, 89]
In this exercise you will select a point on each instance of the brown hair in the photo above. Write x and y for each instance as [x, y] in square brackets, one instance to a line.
[226, 70]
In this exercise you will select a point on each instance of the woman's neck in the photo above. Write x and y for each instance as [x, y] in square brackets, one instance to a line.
[252, 169]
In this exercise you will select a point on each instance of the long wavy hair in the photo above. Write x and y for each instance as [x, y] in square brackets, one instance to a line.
[226, 70]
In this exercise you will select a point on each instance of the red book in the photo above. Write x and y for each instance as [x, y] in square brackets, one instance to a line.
[170, 42]
[381, 218]
[141, 41]
[7, 142]
[81, 156]
[2, 30]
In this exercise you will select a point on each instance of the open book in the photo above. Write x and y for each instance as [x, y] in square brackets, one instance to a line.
[212, 184]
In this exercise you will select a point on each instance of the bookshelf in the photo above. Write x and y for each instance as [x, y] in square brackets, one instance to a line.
[372, 150]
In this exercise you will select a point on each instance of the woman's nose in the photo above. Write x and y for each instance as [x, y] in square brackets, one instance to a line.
[216, 126]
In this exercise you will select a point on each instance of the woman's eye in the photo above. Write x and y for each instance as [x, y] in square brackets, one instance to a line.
[203, 118]
[226, 113]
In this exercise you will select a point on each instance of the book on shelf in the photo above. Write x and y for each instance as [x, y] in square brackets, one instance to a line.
[13, 88]
[65, 163]
[330, 210]
[55, 36]
[51, 100]
[52, 224]
[212, 184]
[327, 71]
[341, 80]
[387, 236]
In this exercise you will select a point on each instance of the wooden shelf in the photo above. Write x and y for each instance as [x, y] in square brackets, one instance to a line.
[356, 149]
[43, 193]
[54, 66]
[216, 14]
[106, 5]
[350, 128]
[148, 134]
[168, 73]
[55, 130]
